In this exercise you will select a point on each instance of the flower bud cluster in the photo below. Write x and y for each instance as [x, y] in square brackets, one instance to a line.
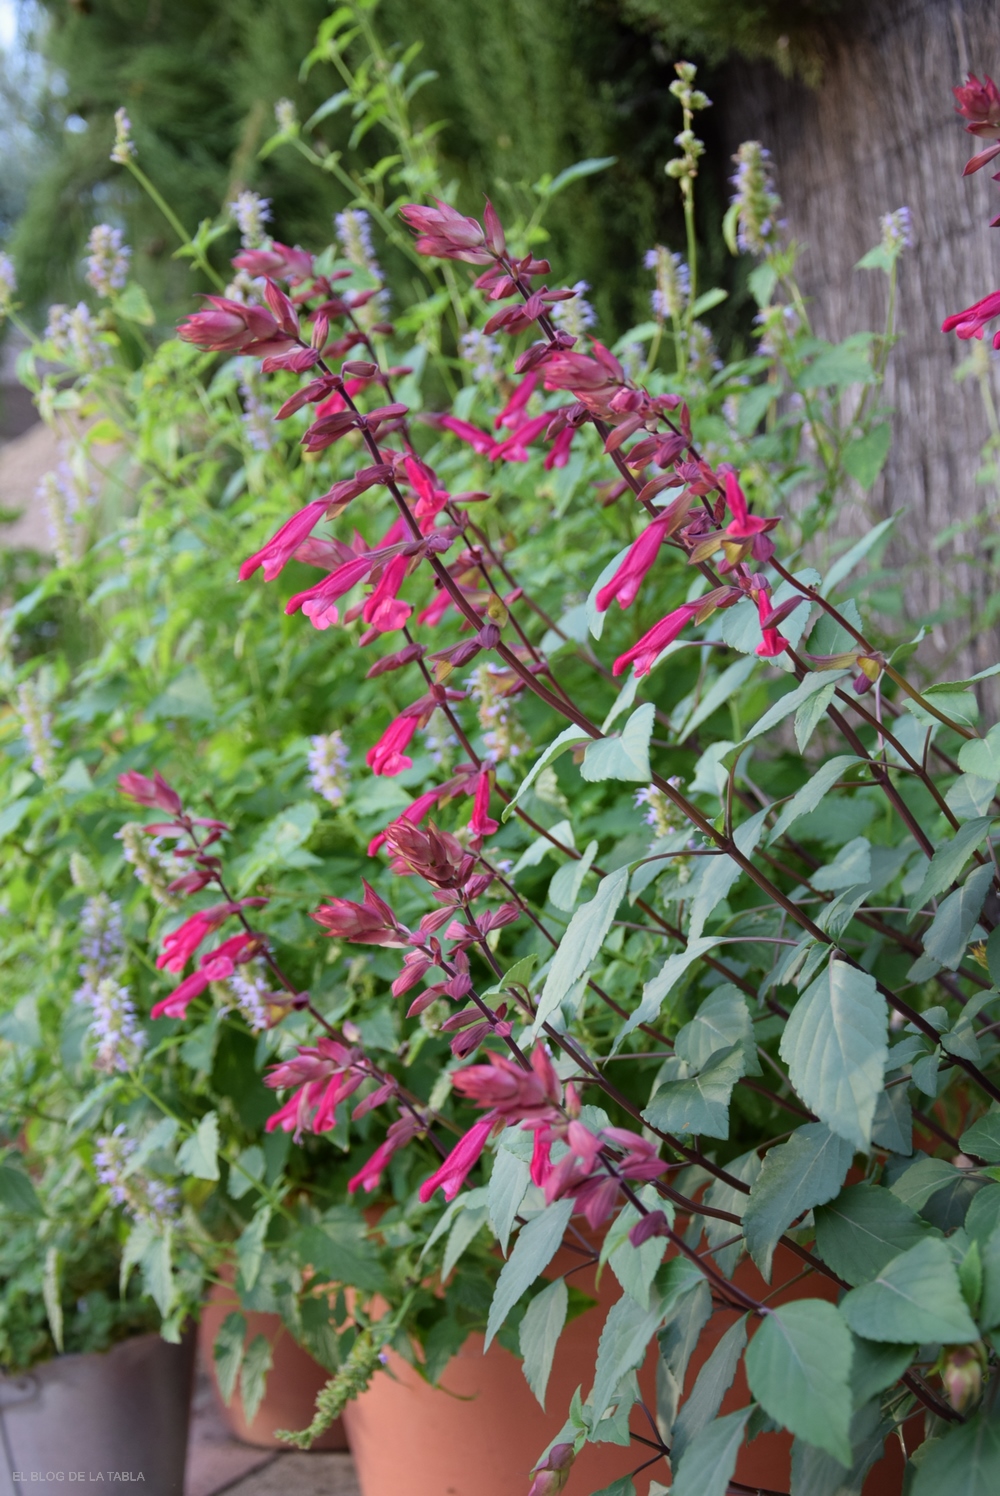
[251, 213]
[36, 727]
[757, 204]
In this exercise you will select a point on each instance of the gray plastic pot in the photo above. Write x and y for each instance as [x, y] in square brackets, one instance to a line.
[99, 1421]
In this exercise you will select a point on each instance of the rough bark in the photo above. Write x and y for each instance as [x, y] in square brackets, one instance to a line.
[880, 131]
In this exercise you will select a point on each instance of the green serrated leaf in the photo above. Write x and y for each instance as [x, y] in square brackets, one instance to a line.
[198, 1155]
[257, 1362]
[625, 757]
[916, 1297]
[864, 457]
[795, 1176]
[541, 1327]
[627, 1332]
[949, 860]
[534, 1249]
[583, 939]
[18, 1194]
[798, 1368]
[699, 1105]
[966, 1462]
[864, 1228]
[810, 795]
[710, 1459]
[711, 1386]
[227, 1353]
[836, 1046]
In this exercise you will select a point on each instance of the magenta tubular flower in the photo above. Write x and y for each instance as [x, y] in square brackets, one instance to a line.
[971, 322]
[182, 943]
[447, 234]
[627, 580]
[231, 327]
[559, 452]
[413, 813]
[369, 1176]
[511, 1093]
[214, 966]
[283, 544]
[480, 823]
[318, 603]
[643, 654]
[278, 262]
[388, 756]
[514, 448]
[155, 791]
[460, 1161]
[979, 104]
[513, 414]
[743, 526]
[383, 610]
[370, 923]
[480, 441]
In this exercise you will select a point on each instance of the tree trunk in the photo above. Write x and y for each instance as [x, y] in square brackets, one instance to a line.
[880, 132]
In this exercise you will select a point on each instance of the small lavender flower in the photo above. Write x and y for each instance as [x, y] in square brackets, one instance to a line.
[354, 235]
[102, 943]
[36, 727]
[575, 316]
[108, 259]
[60, 514]
[286, 115]
[8, 284]
[702, 355]
[248, 290]
[251, 993]
[258, 417]
[439, 740]
[897, 231]
[482, 353]
[503, 735]
[144, 1198]
[779, 324]
[152, 867]
[758, 227]
[73, 335]
[673, 282]
[328, 767]
[124, 147]
[115, 1026]
[251, 212]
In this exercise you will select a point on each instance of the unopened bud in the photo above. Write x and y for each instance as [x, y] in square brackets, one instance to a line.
[359, 368]
[962, 1375]
[552, 1475]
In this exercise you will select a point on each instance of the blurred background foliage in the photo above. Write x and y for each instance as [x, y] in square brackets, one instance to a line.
[523, 89]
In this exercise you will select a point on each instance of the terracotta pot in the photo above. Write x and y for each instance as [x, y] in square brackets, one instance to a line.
[292, 1383]
[482, 1439]
[121, 1415]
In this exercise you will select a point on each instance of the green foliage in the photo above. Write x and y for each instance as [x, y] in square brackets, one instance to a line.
[789, 32]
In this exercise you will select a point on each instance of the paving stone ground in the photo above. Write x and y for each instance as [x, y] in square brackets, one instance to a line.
[218, 1462]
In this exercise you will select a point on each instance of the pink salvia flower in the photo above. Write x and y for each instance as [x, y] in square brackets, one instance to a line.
[413, 813]
[446, 233]
[155, 791]
[388, 756]
[283, 544]
[401, 1132]
[214, 966]
[627, 580]
[370, 923]
[559, 452]
[383, 610]
[180, 944]
[231, 327]
[513, 413]
[460, 1161]
[643, 655]
[971, 322]
[480, 824]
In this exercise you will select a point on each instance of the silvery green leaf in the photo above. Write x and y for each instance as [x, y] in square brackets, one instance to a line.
[700, 1104]
[198, 1155]
[711, 1386]
[949, 860]
[951, 928]
[257, 1363]
[227, 1353]
[915, 1299]
[625, 757]
[627, 1332]
[659, 987]
[709, 1462]
[509, 1180]
[723, 1019]
[534, 1249]
[806, 1171]
[812, 792]
[836, 1046]
[581, 942]
[541, 1327]
[567, 881]
[863, 1229]
[721, 873]
[798, 1368]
